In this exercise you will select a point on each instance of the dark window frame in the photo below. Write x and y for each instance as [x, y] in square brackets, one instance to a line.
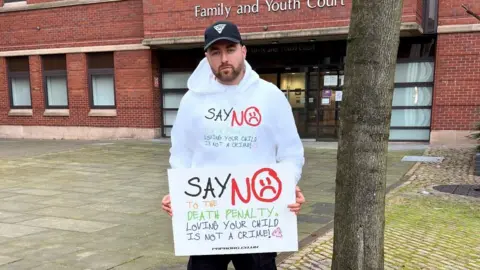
[415, 84]
[430, 28]
[101, 71]
[18, 74]
[13, 1]
[54, 73]
[169, 90]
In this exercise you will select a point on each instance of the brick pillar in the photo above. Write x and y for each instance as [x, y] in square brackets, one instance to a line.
[1, 3]
[134, 88]
[456, 94]
[4, 96]
[156, 91]
[36, 85]
[77, 88]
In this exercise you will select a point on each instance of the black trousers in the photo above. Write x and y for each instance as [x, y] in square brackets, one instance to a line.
[257, 261]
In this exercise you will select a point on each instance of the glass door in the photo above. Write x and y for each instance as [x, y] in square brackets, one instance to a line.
[313, 100]
[293, 84]
[330, 98]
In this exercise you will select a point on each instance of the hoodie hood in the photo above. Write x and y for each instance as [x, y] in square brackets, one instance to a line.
[203, 80]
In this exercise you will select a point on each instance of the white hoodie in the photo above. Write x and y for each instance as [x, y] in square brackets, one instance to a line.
[209, 129]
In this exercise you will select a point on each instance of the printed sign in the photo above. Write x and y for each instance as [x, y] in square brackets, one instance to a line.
[326, 93]
[233, 210]
[338, 95]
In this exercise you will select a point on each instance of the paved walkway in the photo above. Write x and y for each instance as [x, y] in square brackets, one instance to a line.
[96, 205]
[425, 228]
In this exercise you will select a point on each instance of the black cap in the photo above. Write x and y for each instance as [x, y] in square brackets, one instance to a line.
[222, 30]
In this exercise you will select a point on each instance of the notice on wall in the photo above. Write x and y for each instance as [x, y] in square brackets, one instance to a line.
[330, 80]
[233, 210]
[338, 95]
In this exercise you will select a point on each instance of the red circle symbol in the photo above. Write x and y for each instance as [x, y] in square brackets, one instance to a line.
[253, 117]
[266, 184]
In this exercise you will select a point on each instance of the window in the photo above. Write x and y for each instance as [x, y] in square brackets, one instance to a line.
[55, 81]
[412, 101]
[174, 85]
[430, 16]
[101, 80]
[19, 82]
[13, 1]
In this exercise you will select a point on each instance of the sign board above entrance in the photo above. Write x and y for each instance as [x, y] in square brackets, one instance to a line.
[225, 10]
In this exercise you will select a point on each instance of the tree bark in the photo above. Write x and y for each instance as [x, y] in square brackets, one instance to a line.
[372, 49]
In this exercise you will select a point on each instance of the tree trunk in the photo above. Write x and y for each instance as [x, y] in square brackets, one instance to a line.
[372, 49]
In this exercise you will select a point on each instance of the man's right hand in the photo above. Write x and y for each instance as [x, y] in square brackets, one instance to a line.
[166, 204]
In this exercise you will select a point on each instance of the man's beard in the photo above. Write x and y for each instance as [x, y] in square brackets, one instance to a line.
[232, 75]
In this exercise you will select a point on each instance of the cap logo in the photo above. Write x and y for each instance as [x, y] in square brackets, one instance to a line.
[220, 27]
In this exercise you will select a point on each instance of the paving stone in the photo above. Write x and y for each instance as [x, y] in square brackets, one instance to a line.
[141, 263]
[126, 219]
[5, 194]
[84, 190]
[126, 208]
[39, 192]
[56, 266]
[27, 199]
[95, 260]
[21, 264]
[65, 202]
[66, 212]
[18, 206]
[4, 215]
[15, 230]
[19, 218]
[5, 260]
[69, 224]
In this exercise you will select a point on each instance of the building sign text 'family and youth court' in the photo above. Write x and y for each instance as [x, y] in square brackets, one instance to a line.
[221, 9]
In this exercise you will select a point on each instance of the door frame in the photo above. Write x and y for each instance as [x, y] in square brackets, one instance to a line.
[320, 110]
[292, 69]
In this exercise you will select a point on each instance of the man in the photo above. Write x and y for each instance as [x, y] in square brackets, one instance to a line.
[231, 117]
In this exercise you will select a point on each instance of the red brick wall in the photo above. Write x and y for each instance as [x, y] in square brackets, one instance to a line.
[134, 86]
[4, 98]
[452, 12]
[457, 82]
[83, 25]
[173, 18]
[156, 94]
[135, 97]
[419, 11]
[77, 89]
[36, 86]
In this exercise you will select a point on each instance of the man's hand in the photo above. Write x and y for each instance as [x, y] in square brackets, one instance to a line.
[298, 201]
[166, 204]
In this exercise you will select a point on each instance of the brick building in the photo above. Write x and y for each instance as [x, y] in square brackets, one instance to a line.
[93, 69]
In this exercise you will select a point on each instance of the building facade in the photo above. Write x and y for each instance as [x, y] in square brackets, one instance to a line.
[105, 69]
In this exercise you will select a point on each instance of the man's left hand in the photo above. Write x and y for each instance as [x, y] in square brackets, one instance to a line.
[299, 200]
